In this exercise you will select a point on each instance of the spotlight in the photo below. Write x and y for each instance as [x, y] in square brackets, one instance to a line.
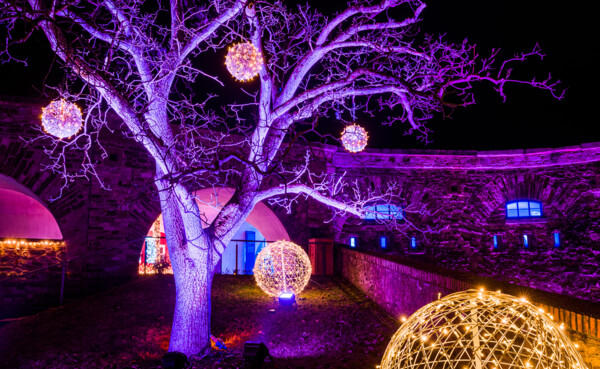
[174, 360]
[287, 299]
[255, 354]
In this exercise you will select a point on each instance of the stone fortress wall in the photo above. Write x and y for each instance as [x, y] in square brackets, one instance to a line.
[454, 199]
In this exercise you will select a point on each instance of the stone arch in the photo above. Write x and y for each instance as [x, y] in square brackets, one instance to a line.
[210, 201]
[261, 217]
[23, 214]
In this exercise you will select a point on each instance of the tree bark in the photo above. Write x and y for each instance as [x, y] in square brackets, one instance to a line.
[190, 260]
[190, 332]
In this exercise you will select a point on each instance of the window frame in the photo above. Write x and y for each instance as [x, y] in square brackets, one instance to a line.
[390, 214]
[528, 209]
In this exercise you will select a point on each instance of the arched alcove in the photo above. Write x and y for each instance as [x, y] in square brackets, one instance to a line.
[261, 225]
[23, 215]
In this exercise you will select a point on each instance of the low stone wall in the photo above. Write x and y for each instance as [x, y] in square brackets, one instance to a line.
[401, 289]
[22, 292]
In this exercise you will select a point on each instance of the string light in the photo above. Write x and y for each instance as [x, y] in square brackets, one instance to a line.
[354, 138]
[61, 118]
[481, 329]
[40, 244]
[243, 61]
[282, 266]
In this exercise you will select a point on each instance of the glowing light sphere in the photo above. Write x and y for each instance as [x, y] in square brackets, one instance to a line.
[61, 118]
[282, 266]
[244, 61]
[354, 138]
[481, 330]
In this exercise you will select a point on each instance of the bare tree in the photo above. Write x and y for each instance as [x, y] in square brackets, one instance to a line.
[141, 60]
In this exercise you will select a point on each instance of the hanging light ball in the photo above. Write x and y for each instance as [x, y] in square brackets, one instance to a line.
[481, 329]
[243, 61]
[354, 138]
[281, 267]
[61, 118]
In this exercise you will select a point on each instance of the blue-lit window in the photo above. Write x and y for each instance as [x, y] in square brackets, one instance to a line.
[413, 242]
[353, 241]
[382, 212]
[526, 241]
[556, 239]
[384, 241]
[497, 243]
[523, 209]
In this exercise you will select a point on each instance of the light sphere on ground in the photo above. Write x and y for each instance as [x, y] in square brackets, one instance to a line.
[282, 266]
[481, 330]
[61, 118]
[243, 61]
[354, 138]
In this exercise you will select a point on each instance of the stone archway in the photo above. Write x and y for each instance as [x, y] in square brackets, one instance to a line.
[262, 220]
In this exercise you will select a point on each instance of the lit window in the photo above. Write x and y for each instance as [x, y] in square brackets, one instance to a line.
[353, 241]
[382, 212]
[526, 241]
[413, 242]
[556, 239]
[383, 242]
[523, 209]
[498, 243]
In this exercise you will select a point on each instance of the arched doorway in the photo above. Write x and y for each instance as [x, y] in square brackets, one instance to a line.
[261, 226]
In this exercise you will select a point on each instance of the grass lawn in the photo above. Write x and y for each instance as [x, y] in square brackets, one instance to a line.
[334, 326]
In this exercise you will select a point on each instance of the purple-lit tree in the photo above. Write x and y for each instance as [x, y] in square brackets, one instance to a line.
[142, 60]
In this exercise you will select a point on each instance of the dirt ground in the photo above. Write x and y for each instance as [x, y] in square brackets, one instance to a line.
[333, 326]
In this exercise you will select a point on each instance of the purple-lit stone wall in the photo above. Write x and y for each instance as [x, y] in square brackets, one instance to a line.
[456, 201]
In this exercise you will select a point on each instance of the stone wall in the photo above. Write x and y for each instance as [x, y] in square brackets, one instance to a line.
[402, 288]
[454, 203]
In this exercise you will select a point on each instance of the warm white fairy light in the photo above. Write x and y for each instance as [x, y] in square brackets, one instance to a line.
[354, 138]
[282, 266]
[477, 330]
[11, 243]
[61, 118]
[244, 61]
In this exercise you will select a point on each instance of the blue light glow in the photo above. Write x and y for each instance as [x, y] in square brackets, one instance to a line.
[526, 241]
[352, 241]
[495, 241]
[556, 239]
[286, 295]
[413, 242]
[383, 242]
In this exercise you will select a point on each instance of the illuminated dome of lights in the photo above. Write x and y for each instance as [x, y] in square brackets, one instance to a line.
[244, 61]
[481, 330]
[280, 267]
[354, 138]
[61, 118]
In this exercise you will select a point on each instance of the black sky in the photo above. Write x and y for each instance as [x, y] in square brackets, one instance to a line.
[530, 118]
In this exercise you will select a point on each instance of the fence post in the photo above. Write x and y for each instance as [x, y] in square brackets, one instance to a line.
[62, 283]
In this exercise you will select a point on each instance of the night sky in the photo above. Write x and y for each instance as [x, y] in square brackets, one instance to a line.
[529, 119]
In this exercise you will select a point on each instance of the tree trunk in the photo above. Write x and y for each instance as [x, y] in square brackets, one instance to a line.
[190, 332]
[189, 251]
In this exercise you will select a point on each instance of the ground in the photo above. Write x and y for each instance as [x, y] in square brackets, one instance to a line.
[334, 326]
